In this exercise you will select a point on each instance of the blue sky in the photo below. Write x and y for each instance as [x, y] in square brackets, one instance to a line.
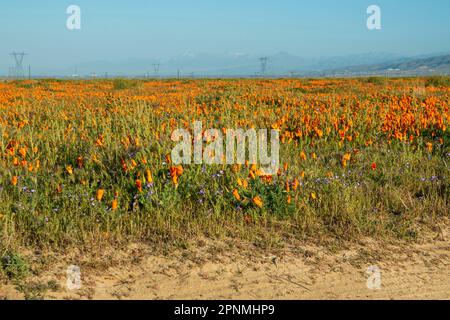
[119, 30]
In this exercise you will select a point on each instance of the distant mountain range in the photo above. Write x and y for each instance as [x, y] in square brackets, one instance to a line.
[406, 66]
[280, 64]
[236, 64]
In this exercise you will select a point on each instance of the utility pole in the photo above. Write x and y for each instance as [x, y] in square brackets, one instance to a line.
[29, 72]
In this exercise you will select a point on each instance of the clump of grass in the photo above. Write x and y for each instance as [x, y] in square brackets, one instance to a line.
[26, 84]
[374, 80]
[437, 81]
[13, 266]
[123, 84]
[37, 290]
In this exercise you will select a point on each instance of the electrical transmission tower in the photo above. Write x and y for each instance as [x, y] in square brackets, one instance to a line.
[156, 68]
[17, 71]
[263, 61]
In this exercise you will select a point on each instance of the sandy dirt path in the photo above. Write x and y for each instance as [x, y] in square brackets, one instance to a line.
[229, 271]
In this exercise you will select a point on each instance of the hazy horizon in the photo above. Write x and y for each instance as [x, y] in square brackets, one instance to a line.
[146, 31]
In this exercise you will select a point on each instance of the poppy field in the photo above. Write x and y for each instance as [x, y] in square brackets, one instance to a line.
[88, 162]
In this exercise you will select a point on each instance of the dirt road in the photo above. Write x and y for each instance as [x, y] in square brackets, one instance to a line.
[228, 271]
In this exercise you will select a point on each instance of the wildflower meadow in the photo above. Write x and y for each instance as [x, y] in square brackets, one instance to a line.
[90, 162]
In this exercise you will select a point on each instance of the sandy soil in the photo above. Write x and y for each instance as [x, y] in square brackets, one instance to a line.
[229, 270]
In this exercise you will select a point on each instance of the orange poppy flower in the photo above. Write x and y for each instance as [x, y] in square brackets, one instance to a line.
[100, 193]
[258, 201]
[236, 195]
[114, 204]
[148, 176]
[69, 170]
[139, 185]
